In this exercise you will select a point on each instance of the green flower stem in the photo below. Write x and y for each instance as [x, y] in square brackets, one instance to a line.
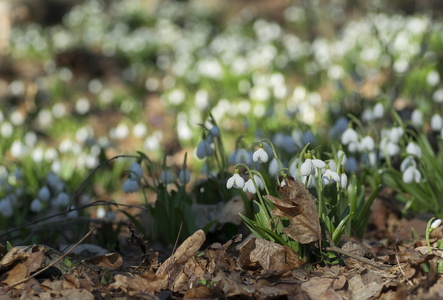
[428, 230]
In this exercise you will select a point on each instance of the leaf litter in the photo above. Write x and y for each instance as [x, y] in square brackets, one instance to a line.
[240, 269]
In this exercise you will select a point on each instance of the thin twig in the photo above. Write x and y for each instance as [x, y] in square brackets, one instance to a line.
[335, 249]
[53, 263]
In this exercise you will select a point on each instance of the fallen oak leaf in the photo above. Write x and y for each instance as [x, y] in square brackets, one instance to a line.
[299, 207]
[186, 250]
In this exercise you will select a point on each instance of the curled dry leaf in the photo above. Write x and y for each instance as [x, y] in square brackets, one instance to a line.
[272, 257]
[186, 250]
[108, 261]
[298, 205]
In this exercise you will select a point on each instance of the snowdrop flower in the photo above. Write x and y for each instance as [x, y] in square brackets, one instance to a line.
[293, 169]
[215, 131]
[204, 149]
[249, 187]
[36, 205]
[259, 182]
[344, 159]
[378, 111]
[137, 169]
[62, 200]
[349, 136]
[44, 194]
[329, 177]
[273, 167]
[351, 165]
[243, 156]
[6, 209]
[417, 117]
[354, 147]
[436, 122]
[260, 155]
[309, 166]
[166, 177]
[130, 185]
[408, 161]
[395, 134]
[433, 78]
[101, 212]
[236, 181]
[413, 149]
[184, 176]
[435, 224]
[231, 158]
[411, 174]
[332, 165]
[343, 180]
[367, 144]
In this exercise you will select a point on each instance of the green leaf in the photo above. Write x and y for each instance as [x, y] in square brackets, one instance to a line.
[134, 221]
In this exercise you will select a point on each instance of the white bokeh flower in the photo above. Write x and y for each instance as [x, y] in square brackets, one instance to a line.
[130, 186]
[36, 205]
[137, 169]
[349, 136]
[184, 176]
[413, 149]
[44, 194]
[436, 122]
[166, 177]
[367, 144]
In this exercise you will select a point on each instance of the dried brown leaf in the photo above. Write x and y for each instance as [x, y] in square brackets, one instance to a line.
[361, 290]
[321, 288]
[186, 250]
[108, 261]
[274, 257]
[298, 205]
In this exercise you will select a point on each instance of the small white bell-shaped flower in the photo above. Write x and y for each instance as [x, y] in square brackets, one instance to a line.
[413, 149]
[260, 155]
[436, 122]
[349, 136]
[249, 187]
[411, 174]
[309, 166]
[329, 177]
[367, 144]
[236, 181]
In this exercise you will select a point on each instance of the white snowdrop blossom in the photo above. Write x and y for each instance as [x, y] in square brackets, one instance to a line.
[249, 187]
[349, 136]
[309, 165]
[137, 169]
[329, 177]
[259, 182]
[411, 174]
[417, 117]
[236, 181]
[215, 131]
[101, 212]
[367, 144]
[378, 111]
[273, 167]
[395, 134]
[166, 177]
[435, 224]
[343, 181]
[204, 149]
[344, 159]
[130, 186]
[44, 194]
[184, 176]
[293, 168]
[62, 200]
[6, 209]
[260, 155]
[243, 156]
[413, 149]
[36, 205]
[408, 161]
[436, 122]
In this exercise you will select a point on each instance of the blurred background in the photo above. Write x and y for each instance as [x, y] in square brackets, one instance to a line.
[81, 81]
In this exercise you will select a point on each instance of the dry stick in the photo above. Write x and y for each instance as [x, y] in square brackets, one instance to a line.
[53, 263]
[69, 209]
[335, 249]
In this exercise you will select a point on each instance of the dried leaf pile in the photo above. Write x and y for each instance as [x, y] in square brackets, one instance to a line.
[260, 269]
